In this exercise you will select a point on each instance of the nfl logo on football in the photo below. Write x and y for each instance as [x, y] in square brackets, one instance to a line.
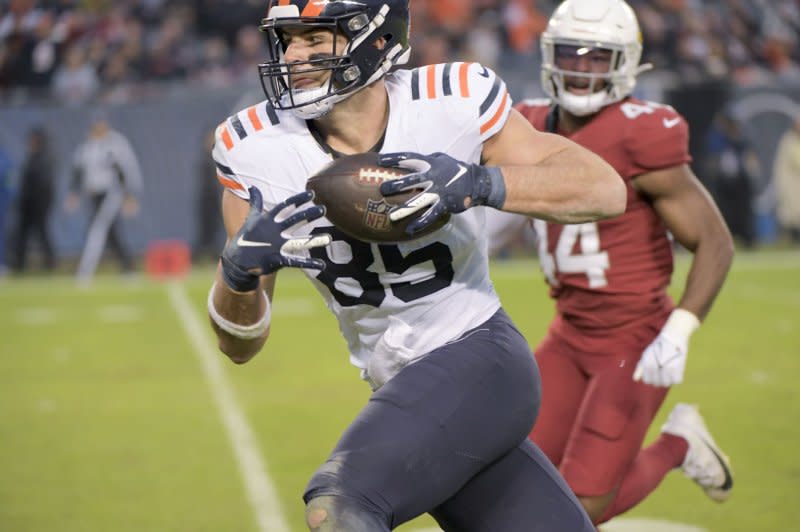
[377, 215]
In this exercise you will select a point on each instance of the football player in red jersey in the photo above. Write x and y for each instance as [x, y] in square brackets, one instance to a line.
[618, 342]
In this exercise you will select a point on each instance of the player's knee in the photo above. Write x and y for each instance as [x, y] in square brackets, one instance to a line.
[329, 513]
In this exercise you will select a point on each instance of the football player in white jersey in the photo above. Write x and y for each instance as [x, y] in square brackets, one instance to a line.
[445, 429]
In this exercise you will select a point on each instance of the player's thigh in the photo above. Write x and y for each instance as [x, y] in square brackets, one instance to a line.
[610, 429]
[436, 424]
[521, 491]
[563, 386]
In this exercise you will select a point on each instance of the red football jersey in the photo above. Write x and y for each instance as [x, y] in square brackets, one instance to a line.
[611, 273]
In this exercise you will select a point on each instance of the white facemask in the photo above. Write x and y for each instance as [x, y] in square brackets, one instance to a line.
[583, 104]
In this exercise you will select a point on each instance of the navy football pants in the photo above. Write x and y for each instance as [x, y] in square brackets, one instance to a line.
[448, 436]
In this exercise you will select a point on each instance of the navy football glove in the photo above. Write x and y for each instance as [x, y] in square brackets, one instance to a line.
[449, 186]
[262, 246]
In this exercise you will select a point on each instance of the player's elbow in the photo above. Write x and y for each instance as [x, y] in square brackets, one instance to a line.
[605, 198]
[615, 196]
[608, 194]
[724, 244]
[605, 195]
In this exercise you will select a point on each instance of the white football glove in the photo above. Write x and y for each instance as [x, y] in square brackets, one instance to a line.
[664, 360]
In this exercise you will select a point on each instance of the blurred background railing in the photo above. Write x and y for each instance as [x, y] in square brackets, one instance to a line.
[166, 72]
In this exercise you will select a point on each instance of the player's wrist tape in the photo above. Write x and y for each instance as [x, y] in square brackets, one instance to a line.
[496, 195]
[236, 278]
[245, 332]
[681, 324]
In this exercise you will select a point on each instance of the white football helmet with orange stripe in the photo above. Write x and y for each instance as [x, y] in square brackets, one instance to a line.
[578, 28]
[358, 65]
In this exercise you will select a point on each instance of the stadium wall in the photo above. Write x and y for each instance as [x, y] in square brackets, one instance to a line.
[168, 135]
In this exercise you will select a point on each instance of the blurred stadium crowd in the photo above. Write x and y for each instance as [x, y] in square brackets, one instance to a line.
[112, 51]
[167, 71]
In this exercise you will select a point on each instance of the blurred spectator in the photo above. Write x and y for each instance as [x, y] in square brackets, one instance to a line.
[35, 200]
[786, 173]
[124, 45]
[524, 24]
[214, 66]
[482, 45]
[431, 50]
[29, 48]
[733, 168]
[224, 17]
[75, 81]
[777, 52]
[6, 166]
[170, 54]
[210, 237]
[119, 79]
[106, 169]
[250, 51]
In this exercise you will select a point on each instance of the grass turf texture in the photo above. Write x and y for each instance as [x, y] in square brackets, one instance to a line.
[107, 421]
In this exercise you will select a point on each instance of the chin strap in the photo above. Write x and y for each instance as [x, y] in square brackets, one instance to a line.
[644, 67]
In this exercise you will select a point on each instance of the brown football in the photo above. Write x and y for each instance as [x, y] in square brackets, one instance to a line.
[349, 189]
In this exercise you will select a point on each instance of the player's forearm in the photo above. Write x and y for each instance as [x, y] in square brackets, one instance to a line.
[244, 315]
[713, 256]
[571, 186]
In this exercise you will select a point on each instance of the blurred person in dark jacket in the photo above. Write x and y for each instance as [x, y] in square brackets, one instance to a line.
[35, 200]
[6, 166]
[733, 168]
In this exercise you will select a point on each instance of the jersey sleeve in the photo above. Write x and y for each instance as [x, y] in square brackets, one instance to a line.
[487, 93]
[658, 140]
[224, 165]
[460, 105]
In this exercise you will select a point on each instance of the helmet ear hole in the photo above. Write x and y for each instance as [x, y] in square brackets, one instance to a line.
[384, 41]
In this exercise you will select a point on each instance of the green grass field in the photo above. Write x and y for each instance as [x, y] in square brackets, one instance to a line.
[116, 413]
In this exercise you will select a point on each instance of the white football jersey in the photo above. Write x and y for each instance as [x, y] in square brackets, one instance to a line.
[394, 302]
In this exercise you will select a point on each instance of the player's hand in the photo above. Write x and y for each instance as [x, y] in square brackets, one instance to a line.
[263, 244]
[130, 206]
[72, 202]
[664, 360]
[449, 186]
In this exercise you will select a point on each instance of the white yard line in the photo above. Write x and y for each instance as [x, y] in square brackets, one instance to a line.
[650, 525]
[260, 489]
